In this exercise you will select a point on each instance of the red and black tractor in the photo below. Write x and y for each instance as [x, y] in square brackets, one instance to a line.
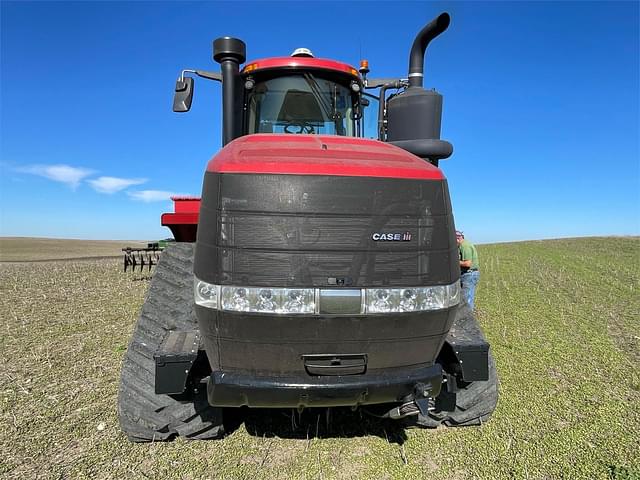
[319, 268]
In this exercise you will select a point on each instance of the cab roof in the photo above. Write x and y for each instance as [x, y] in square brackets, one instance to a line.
[303, 63]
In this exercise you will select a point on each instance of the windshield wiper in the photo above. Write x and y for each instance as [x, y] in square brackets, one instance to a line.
[317, 94]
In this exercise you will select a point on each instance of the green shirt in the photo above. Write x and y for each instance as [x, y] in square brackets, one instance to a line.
[468, 252]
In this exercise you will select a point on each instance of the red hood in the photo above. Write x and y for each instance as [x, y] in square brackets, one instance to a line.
[292, 154]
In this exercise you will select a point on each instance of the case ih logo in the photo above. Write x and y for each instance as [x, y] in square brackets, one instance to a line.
[391, 237]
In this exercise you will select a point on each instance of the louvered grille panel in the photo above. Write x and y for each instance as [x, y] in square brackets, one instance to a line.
[287, 230]
[282, 232]
[242, 267]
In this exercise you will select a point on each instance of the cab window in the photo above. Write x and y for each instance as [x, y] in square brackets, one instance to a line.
[302, 103]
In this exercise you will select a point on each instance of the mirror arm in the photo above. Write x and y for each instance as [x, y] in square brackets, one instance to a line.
[209, 75]
[379, 82]
[185, 71]
[202, 74]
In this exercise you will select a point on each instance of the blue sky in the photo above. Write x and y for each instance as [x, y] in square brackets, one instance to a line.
[541, 104]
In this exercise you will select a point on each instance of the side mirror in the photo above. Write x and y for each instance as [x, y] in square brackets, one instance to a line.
[183, 94]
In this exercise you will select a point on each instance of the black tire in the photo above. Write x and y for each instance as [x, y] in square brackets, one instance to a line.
[144, 415]
[475, 401]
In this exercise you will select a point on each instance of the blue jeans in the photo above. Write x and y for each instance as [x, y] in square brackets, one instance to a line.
[468, 282]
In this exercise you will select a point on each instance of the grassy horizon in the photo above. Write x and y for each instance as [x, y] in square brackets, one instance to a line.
[562, 317]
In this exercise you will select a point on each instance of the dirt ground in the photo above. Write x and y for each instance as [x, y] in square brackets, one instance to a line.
[22, 249]
[562, 318]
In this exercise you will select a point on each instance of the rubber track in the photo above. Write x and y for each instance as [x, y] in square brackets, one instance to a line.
[144, 415]
[476, 402]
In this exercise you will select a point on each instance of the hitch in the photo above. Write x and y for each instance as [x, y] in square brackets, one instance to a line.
[421, 395]
[420, 402]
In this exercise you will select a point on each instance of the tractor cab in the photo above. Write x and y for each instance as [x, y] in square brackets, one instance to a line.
[301, 94]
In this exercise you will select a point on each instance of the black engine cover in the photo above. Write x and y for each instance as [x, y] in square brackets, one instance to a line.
[318, 231]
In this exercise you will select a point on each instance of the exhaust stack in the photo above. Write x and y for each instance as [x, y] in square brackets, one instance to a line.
[414, 116]
[419, 47]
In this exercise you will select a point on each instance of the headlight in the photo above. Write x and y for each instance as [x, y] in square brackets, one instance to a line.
[205, 294]
[382, 300]
[304, 300]
[299, 300]
[237, 298]
[453, 293]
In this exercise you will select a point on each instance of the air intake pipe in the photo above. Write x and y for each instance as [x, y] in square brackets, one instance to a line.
[230, 53]
[414, 116]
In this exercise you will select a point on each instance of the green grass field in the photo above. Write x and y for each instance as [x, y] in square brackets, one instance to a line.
[562, 317]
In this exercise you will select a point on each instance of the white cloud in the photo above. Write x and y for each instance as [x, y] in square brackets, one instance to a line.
[151, 195]
[71, 176]
[114, 184]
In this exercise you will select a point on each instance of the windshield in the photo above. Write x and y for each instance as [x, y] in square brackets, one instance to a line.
[300, 103]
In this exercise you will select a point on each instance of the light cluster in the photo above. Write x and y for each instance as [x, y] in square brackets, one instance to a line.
[303, 300]
[256, 300]
[414, 299]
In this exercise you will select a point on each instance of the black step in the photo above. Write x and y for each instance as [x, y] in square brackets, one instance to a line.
[174, 359]
[470, 348]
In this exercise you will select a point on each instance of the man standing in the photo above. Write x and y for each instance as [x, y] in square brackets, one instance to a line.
[469, 274]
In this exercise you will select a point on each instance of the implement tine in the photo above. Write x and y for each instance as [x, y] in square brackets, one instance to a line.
[127, 258]
[134, 257]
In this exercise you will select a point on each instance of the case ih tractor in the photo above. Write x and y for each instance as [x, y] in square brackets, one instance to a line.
[319, 268]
